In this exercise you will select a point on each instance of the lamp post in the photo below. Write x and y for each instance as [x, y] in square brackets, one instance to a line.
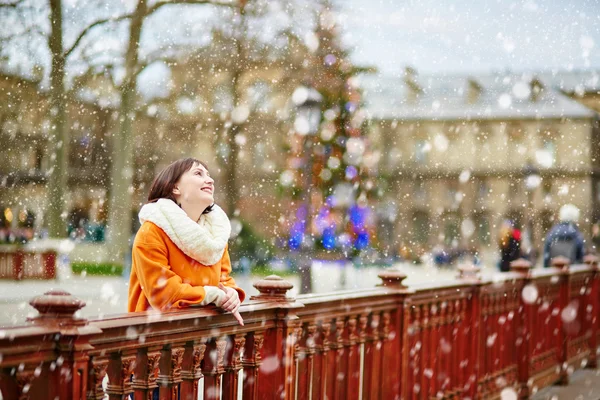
[532, 180]
[308, 119]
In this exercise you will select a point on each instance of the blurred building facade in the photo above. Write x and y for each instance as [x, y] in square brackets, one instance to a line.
[25, 130]
[455, 149]
[185, 121]
[460, 154]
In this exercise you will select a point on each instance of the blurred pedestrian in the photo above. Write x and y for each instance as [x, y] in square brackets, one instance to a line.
[510, 245]
[565, 239]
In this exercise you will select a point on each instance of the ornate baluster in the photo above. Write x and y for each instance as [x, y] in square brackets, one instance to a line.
[318, 350]
[310, 345]
[328, 366]
[213, 368]
[299, 363]
[372, 358]
[425, 370]
[97, 373]
[24, 381]
[145, 374]
[363, 320]
[251, 363]
[353, 366]
[190, 370]
[302, 375]
[169, 377]
[233, 365]
[449, 322]
[120, 369]
[340, 360]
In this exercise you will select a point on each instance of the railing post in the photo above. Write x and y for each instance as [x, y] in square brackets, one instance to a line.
[470, 273]
[276, 378]
[213, 368]
[57, 311]
[18, 259]
[395, 346]
[190, 369]
[49, 259]
[233, 365]
[251, 363]
[524, 329]
[169, 376]
[145, 373]
[592, 261]
[563, 264]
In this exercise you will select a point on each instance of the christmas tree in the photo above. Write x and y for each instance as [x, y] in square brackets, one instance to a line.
[332, 172]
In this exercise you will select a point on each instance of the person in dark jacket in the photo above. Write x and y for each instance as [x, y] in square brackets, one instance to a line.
[510, 245]
[565, 239]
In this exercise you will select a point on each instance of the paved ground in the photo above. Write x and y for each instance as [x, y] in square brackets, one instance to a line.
[583, 385]
[108, 295]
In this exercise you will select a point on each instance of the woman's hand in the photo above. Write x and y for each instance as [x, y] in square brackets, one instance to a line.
[232, 302]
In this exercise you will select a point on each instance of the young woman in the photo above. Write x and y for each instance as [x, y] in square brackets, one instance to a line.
[180, 256]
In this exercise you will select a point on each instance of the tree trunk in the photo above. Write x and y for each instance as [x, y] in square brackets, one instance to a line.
[59, 138]
[230, 166]
[120, 205]
[232, 190]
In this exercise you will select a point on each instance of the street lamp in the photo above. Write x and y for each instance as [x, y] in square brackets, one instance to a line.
[532, 180]
[308, 119]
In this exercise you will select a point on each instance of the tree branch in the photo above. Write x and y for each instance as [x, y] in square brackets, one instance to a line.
[13, 4]
[89, 28]
[162, 3]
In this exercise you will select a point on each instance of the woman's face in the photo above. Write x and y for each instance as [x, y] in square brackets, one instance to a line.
[195, 188]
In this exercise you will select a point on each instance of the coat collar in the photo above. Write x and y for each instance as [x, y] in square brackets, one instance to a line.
[204, 241]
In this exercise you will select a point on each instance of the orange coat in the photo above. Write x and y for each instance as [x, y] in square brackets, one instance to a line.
[163, 277]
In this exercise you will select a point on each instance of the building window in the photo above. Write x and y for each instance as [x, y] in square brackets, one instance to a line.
[482, 133]
[420, 191]
[421, 227]
[451, 229]
[483, 190]
[515, 132]
[482, 228]
[422, 147]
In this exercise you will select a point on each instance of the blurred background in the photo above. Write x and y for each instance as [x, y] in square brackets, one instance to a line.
[343, 136]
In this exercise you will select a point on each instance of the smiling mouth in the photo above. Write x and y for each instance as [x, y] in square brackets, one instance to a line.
[207, 190]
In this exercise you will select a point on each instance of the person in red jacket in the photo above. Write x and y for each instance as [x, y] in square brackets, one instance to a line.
[180, 255]
[510, 245]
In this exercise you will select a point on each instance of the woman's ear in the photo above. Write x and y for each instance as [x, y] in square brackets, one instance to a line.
[176, 191]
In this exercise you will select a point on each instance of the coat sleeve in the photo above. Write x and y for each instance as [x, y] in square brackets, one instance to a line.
[226, 278]
[163, 288]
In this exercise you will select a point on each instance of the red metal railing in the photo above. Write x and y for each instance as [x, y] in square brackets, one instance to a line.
[468, 338]
[18, 264]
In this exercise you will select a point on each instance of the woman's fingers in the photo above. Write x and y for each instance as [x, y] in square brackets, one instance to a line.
[239, 318]
[231, 304]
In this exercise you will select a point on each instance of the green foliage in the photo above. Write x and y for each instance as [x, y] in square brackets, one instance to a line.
[107, 269]
[250, 245]
[264, 270]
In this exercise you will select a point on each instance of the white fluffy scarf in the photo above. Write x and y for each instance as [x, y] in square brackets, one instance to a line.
[204, 241]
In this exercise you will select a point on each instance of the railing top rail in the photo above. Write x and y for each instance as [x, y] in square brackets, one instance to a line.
[344, 295]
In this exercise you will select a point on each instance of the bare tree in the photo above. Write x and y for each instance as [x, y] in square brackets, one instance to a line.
[120, 203]
[58, 95]
[238, 74]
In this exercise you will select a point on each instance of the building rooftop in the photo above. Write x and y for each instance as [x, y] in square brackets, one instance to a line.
[499, 95]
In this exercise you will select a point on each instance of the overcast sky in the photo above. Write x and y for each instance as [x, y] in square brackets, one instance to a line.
[473, 36]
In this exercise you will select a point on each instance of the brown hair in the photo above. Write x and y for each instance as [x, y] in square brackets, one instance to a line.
[164, 183]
